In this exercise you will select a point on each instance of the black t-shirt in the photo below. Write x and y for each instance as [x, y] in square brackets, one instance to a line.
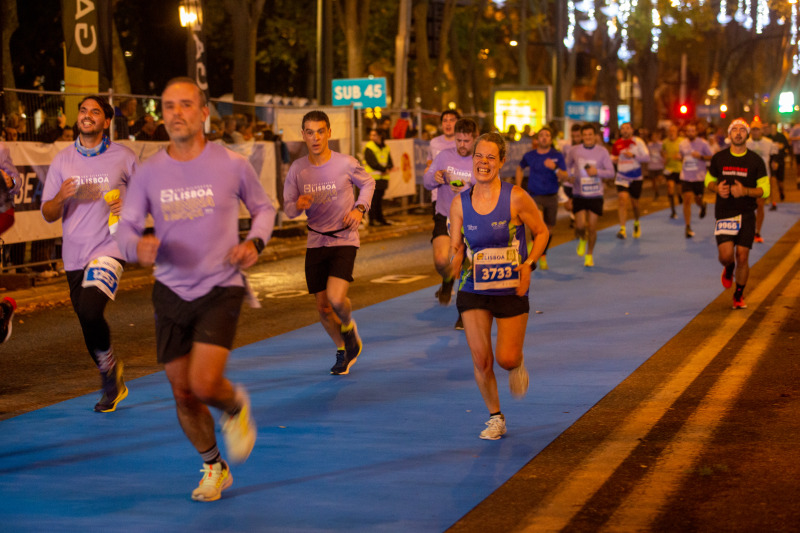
[780, 138]
[747, 169]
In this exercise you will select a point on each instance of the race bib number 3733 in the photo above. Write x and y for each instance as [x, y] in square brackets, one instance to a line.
[494, 268]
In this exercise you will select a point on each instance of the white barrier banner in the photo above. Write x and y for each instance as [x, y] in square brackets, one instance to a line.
[401, 177]
[33, 160]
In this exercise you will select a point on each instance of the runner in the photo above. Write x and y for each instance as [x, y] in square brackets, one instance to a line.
[765, 148]
[85, 188]
[672, 165]
[547, 168]
[655, 169]
[778, 165]
[490, 220]
[695, 154]
[629, 157]
[193, 191]
[738, 176]
[10, 184]
[321, 184]
[449, 175]
[575, 140]
[588, 164]
[441, 142]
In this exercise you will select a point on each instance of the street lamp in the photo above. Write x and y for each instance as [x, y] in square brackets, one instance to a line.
[191, 13]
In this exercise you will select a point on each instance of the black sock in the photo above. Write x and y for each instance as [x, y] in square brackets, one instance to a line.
[729, 270]
[739, 290]
[211, 455]
[498, 413]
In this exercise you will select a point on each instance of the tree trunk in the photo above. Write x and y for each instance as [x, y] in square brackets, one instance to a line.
[354, 21]
[244, 21]
[646, 69]
[425, 79]
[10, 22]
[121, 81]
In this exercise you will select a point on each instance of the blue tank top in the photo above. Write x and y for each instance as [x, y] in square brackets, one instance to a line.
[494, 247]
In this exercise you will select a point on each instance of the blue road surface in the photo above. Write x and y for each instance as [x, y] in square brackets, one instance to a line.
[394, 445]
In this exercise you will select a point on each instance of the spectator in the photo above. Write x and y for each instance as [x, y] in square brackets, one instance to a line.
[9, 186]
[385, 126]
[146, 127]
[511, 136]
[378, 163]
[124, 118]
[67, 135]
[216, 129]
[229, 127]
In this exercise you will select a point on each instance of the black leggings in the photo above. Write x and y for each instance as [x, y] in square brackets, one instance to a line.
[376, 207]
[90, 304]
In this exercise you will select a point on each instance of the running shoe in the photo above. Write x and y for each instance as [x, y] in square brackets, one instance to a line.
[758, 238]
[114, 389]
[703, 210]
[783, 196]
[581, 247]
[7, 308]
[518, 381]
[674, 215]
[621, 233]
[543, 263]
[689, 232]
[352, 347]
[216, 478]
[738, 303]
[588, 261]
[773, 207]
[445, 293]
[637, 230]
[239, 430]
[495, 428]
[340, 363]
[459, 323]
[727, 282]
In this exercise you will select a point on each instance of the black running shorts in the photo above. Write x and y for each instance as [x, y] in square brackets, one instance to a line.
[502, 306]
[746, 235]
[328, 261]
[634, 189]
[595, 205]
[673, 176]
[697, 187]
[210, 319]
[439, 226]
[548, 205]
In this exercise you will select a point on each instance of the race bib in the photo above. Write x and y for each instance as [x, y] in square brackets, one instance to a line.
[494, 268]
[103, 273]
[689, 163]
[622, 181]
[590, 187]
[728, 226]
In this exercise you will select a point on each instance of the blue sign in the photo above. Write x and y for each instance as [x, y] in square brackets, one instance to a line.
[360, 92]
[583, 111]
[707, 111]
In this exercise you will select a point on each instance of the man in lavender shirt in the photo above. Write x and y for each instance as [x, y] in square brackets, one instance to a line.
[321, 184]
[193, 190]
[450, 174]
[695, 153]
[441, 142]
[85, 187]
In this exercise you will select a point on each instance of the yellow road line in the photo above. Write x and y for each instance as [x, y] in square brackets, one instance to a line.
[570, 496]
[646, 500]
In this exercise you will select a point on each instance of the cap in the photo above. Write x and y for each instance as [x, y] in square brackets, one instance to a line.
[738, 122]
[756, 124]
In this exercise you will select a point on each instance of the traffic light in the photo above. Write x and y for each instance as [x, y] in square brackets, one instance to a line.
[683, 109]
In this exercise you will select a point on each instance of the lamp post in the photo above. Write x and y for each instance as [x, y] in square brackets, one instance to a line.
[191, 17]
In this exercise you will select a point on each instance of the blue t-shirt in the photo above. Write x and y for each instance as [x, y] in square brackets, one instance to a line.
[542, 180]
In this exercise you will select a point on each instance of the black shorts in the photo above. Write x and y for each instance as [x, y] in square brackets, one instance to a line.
[328, 261]
[439, 226]
[595, 205]
[502, 306]
[779, 172]
[634, 189]
[210, 319]
[697, 187]
[568, 192]
[653, 174]
[673, 176]
[548, 205]
[746, 235]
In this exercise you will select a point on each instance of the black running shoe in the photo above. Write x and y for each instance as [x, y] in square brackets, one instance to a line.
[459, 323]
[7, 308]
[340, 365]
[114, 389]
[352, 348]
[703, 210]
[445, 293]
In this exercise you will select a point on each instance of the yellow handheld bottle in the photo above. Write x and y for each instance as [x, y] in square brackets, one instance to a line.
[113, 219]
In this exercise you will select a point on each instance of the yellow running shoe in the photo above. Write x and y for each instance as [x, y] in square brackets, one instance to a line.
[589, 261]
[581, 247]
[637, 230]
[543, 262]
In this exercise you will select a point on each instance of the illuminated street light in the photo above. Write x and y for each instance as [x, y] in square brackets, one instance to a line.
[512, 43]
[190, 13]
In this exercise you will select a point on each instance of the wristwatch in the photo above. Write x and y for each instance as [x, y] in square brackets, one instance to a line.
[361, 208]
[258, 243]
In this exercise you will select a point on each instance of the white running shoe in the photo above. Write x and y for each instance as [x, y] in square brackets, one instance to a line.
[518, 381]
[216, 478]
[239, 430]
[496, 428]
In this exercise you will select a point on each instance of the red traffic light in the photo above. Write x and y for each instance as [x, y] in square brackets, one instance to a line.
[684, 109]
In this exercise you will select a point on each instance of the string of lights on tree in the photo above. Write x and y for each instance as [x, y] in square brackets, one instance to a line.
[617, 13]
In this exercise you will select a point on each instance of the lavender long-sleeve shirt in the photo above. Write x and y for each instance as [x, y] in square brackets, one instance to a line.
[195, 209]
[85, 216]
[331, 185]
[597, 156]
[455, 168]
